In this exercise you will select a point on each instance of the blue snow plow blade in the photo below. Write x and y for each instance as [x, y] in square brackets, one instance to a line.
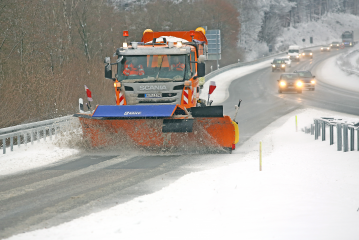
[130, 111]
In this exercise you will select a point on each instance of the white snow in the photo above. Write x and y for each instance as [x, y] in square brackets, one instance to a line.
[306, 190]
[331, 74]
[33, 156]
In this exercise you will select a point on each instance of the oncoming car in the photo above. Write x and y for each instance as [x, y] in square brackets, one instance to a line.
[290, 82]
[278, 64]
[307, 54]
[307, 78]
[335, 45]
[325, 48]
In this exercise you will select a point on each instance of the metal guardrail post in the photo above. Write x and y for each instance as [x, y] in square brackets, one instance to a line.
[32, 137]
[319, 128]
[3, 145]
[12, 143]
[331, 134]
[25, 138]
[50, 133]
[351, 138]
[345, 137]
[311, 129]
[44, 133]
[339, 137]
[38, 134]
[358, 139]
[316, 129]
[18, 140]
[323, 131]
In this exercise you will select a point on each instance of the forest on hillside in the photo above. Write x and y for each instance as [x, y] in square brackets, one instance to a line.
[50, 49]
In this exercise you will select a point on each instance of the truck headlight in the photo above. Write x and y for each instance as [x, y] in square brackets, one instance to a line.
[328, 48]
[331, 44]
[312, 82]
[350, 44]
[273, 65]
[299, 84]
[338, 45]
[303, 53]
[283, 65]
[311, 53]
[297, 56]
[282, 84]
[321, 48]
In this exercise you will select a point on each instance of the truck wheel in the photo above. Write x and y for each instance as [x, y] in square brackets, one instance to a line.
[279, 91]
[299, 91]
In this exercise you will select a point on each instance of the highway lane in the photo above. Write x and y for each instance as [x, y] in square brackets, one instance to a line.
[87, 183]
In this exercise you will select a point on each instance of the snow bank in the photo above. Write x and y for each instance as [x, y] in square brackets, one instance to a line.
[307, 190]
[33, 156]
[329, 72]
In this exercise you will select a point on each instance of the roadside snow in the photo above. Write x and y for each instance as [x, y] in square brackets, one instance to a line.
[32, 156]
[307, 190]
[331, 74]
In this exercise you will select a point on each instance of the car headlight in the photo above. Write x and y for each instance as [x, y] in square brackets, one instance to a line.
[303, 53]
[282, 83]
[283, 65]
[312, 82]
[337, 44]
[297, 56]
[273, 65]
[331, 44]
[328, 48]
[299, 84]
[321, 48]
[350, 44]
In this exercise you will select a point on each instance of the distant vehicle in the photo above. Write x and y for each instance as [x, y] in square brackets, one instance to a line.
[293, 53]
[307, 78]
[325, 48]
[290, 82]
[348, 38]
[335, 45]
[307, 54]
[287, 61]
[278, 64]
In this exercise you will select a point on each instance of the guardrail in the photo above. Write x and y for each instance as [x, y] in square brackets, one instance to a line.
[241, 64]
[22, 134]
[343, 128]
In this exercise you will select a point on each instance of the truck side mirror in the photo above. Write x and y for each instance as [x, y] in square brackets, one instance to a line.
[201, 59]
[108, 71]
[201, 69]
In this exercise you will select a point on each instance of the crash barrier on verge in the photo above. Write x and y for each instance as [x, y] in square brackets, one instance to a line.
[345, 141]
[241, 64]
[341, 62]
[22, 134]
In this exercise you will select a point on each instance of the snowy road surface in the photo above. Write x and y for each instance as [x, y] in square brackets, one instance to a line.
[88, 183]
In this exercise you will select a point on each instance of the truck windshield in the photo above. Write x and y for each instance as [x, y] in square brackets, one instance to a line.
[293, 51]
[152, 68]
[347, 35]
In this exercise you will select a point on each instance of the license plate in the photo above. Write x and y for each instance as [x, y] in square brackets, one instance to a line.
[153, 95]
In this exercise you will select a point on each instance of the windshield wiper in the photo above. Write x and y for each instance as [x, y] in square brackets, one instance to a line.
[159, 70]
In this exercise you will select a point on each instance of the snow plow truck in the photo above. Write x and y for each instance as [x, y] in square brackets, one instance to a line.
[156, 82]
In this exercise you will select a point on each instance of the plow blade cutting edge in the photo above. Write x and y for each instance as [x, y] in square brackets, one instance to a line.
[159, 127]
